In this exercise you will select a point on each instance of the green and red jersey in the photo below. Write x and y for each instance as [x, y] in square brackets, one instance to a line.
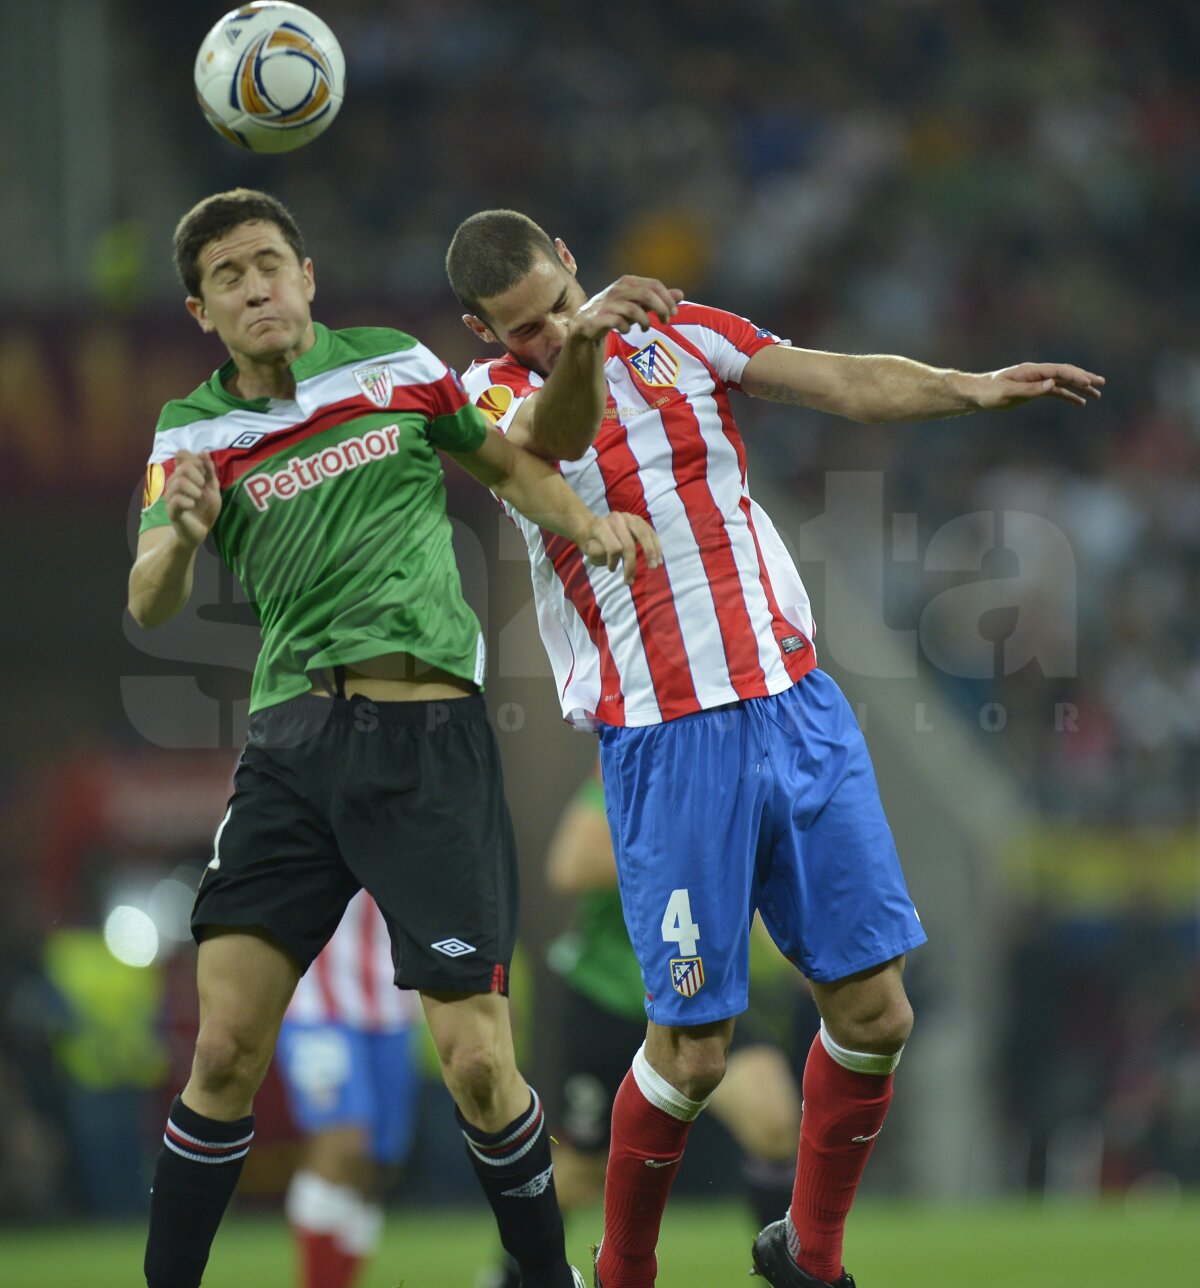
[333, 506]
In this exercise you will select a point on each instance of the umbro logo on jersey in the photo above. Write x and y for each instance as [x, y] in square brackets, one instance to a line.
[656, 364]
[453, 947]
[248, 437]
[376, 383]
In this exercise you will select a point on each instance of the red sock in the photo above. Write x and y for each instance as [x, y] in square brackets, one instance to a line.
[322, 1263]
[843, 1113]
[647, 1145]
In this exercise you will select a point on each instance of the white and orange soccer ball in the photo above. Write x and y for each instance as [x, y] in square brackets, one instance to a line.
[270, 76]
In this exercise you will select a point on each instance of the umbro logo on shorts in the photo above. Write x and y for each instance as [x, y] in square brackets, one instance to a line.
[453, 947]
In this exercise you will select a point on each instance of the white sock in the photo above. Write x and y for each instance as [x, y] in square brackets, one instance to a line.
[859, 1061]
[659, 1092]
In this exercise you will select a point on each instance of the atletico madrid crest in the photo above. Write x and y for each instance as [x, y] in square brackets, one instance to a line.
[687, 975]
[656, 365]
[376, 383]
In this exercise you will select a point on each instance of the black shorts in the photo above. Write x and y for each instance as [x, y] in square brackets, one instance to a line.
[405, 799]
[598, 1049]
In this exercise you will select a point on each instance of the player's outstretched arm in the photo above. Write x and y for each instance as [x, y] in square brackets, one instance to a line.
[535, 488]
[160, 581]
[882, 387]
[561, 421]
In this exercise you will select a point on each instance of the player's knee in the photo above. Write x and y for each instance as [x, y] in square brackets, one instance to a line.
[227, 1058]
[882, 1030]
[894, 1026]
[472, 1070]
[697, 1068]
[772, 1129]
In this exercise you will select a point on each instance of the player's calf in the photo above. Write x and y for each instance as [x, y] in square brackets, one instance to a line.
[194, 1179]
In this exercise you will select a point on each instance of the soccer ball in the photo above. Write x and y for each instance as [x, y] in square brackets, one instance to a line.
[270, 76]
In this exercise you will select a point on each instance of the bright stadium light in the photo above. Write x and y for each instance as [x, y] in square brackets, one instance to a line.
[131, 936]
[170, 908]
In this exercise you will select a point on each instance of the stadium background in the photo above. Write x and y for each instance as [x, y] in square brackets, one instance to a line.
[1011, 602]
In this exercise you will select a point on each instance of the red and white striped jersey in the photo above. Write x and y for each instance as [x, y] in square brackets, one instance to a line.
[726, 617]
[352, 979]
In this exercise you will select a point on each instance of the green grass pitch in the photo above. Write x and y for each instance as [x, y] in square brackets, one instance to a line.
[1010, 1245]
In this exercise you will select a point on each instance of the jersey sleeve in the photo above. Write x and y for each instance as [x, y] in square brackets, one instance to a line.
[454, 424]
[726, 340]
[498, 389]
[154, 505]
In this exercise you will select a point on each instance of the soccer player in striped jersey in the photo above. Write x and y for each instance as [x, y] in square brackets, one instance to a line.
[736, 778]
[603, 1023]
[349, 1067]
[310, 458]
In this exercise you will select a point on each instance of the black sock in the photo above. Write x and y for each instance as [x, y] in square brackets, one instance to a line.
[768, 1187]
[194, 1178]
[514, 1168]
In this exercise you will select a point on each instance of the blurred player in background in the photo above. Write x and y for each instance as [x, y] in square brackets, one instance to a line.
[735, 774]
[346, 1053]
[370, 762]
[604, 1023]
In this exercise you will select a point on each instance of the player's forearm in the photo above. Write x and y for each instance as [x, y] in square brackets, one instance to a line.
[885, 387]
[862, 387]
[569, 408]
[542, 495]
[160, 581]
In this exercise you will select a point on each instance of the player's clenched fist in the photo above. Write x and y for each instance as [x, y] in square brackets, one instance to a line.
[193, 496]
[628, 302]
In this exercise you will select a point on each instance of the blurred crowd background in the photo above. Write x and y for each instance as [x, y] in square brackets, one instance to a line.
[972, 184]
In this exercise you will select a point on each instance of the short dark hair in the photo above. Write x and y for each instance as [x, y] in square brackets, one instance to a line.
[490, 252]
[221, 213]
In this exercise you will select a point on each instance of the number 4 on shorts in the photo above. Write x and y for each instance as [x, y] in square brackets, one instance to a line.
[678, 926]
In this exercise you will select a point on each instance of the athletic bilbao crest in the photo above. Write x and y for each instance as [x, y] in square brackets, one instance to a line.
[376, 383]
[687, 975]
[656, 365]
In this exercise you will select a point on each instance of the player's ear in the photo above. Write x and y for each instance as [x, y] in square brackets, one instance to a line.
[195, 306]
[565, 257]
[478, 327]
[310, 283]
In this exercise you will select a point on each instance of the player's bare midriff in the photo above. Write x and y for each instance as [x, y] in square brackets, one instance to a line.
[395, 677]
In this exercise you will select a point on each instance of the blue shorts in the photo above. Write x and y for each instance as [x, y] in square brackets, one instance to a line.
[772, 805]
[336, 1076]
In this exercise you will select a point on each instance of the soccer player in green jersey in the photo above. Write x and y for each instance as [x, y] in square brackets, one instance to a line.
[310, 459]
